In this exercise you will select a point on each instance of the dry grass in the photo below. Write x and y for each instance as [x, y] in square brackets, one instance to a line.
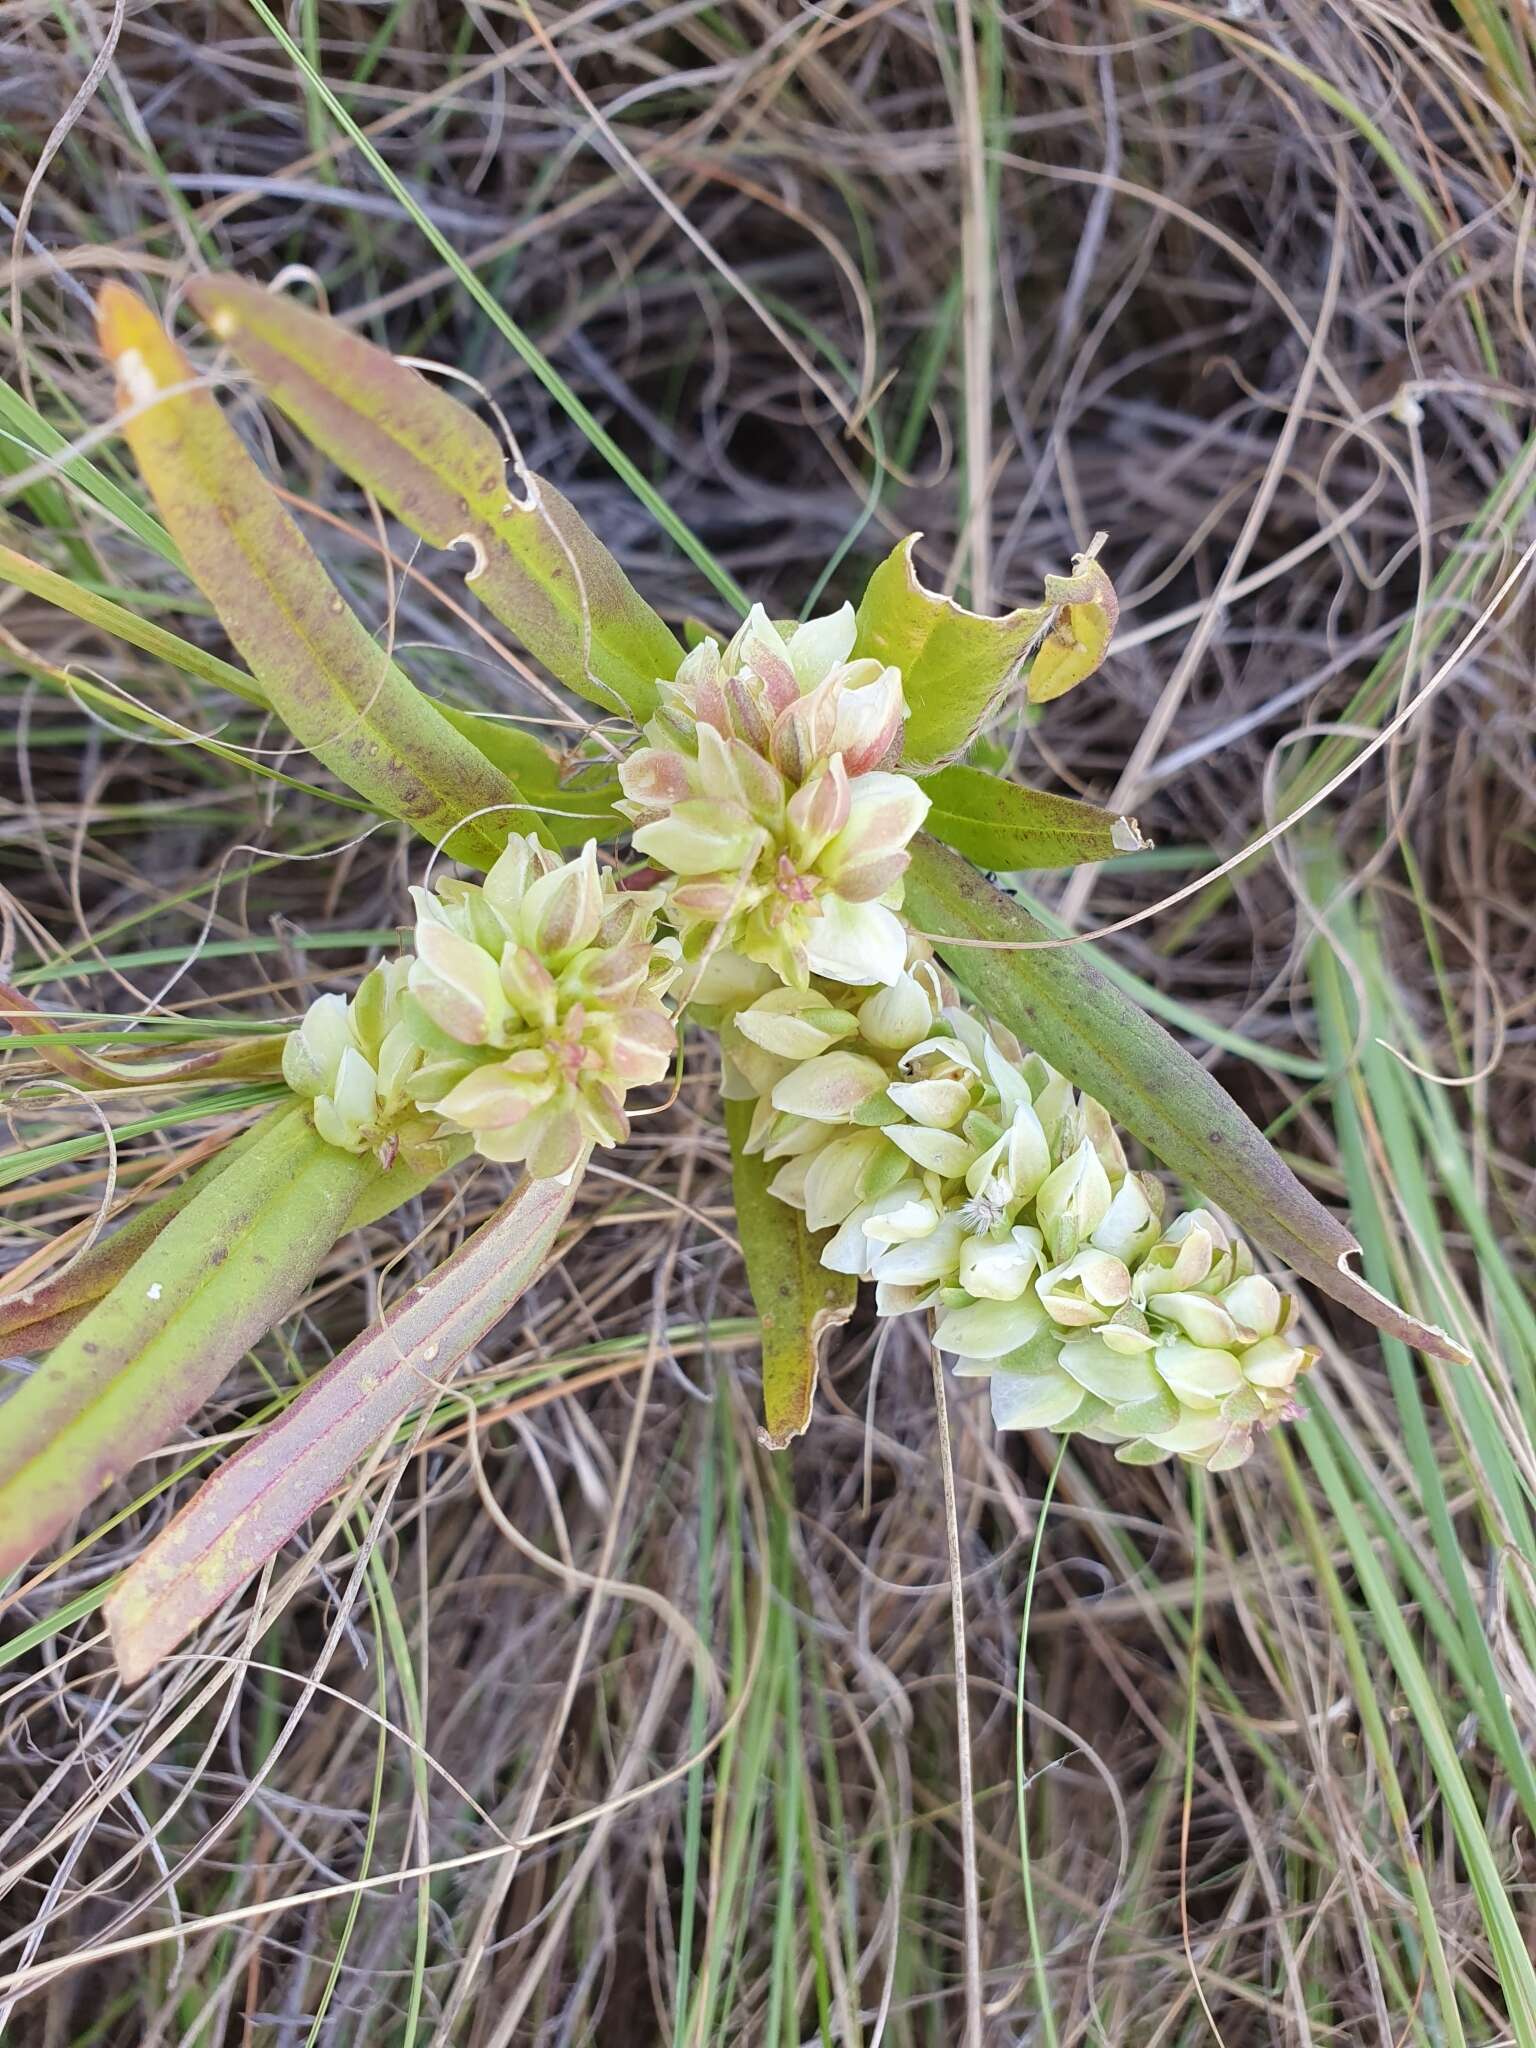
[662, 1733]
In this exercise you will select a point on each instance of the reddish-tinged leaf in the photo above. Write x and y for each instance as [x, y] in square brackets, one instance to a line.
[319, 667]
[538, 567]
[252, 1505]
[798, 1300]
[1058, 1003]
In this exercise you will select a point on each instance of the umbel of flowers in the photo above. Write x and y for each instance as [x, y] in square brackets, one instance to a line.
[532, 1006]
[766, 788]
[966, 1177]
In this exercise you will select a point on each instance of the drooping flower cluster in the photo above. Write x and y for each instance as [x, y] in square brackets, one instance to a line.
[766, 788]
[531, 1007]
[964, 1176]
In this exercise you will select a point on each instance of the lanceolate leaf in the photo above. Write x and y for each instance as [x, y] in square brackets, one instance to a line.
[998, 824]
[238, 1060]
[1059, 1004]
[956, 664]
[538, 567]
[797, 1298]
[250, 1508]
[39, 1315]
[562, 812]
[236, 1258]
[564, 807]
[317, 664]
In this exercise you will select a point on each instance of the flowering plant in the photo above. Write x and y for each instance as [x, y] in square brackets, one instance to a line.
[922, 1091]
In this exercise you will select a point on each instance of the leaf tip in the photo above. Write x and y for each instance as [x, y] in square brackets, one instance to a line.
[1426, 1337]
[145, 358]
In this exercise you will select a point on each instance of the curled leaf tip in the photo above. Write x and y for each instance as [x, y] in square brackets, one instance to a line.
[1128, 837]
[1397, 1322]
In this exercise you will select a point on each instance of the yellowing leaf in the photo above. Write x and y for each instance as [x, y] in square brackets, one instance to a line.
[1085, 612]
[318, 666]
[956, 665]
[538, 567]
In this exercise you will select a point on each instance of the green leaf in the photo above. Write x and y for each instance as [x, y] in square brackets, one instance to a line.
[538, 567]
[235, 1259]
[317, 664]
[40, 1315]
[956, 665]
[565, 806]
[563, 812]
[798, 1299]
[1062, 1006]
[998, 824]
[253, 1504]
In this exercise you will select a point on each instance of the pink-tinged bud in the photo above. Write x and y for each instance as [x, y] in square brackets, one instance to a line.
[870, 881]
[653, 780]
[530, 987]
[746, 714]
[870, 717]
[458, 985]
[817, 813]
[642, 1046]
[562, 910]
[714, 902]
[802, 734]
[884, 812]
[492, 1099]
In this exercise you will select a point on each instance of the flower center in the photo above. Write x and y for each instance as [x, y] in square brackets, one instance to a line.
[792, 885]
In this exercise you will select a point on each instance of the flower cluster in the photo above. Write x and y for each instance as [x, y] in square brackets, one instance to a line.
[536, 996]
[765, 788]
[531, 1007]
[355, 1062]
[964, 1176]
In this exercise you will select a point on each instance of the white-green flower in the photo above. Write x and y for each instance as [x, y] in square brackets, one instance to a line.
[536, 999]
[766, 790]
[355, 1062]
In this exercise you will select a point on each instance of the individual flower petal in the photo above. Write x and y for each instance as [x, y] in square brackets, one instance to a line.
[458, 984]
[988, 1329]
[999, 1269]
[820, 645]
[1033, 1400]
[701, 837]
[1073, 1201]
[858, 943]
[830, 1088]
